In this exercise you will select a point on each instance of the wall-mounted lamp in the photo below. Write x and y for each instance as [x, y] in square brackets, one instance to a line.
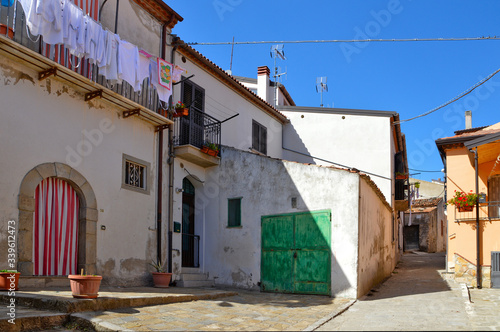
[179, 190]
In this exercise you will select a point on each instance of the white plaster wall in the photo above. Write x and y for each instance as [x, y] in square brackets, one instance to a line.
[377, 247]
[222, 102]
[135, 25]
[40, 121]
[362, 142]
[266, 186]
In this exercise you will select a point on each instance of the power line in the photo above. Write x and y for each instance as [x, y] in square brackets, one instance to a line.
[453, 100]
[343, 41]
[419, 170]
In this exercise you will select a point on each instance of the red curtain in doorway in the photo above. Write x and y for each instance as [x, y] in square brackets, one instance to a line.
[55, 235]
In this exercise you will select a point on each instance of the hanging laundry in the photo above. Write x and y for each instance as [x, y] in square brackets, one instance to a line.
[109, 67]
[163, 93]
[73, 29]
[177, 73]
[128, 63]
[143, 69]
[165, 73]
[47, 20]
[94, 40]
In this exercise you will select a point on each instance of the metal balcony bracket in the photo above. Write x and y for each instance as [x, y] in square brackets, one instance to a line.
[130, 113]
[93, 94]
[160, 128]
[47, 73]
[184, 79]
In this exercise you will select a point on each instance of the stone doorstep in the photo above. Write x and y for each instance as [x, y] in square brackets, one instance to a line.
[34, 321]
[67, 304]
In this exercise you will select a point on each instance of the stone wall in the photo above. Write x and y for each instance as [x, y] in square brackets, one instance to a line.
[465, 271]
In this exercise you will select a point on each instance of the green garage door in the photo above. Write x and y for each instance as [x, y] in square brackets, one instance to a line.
[296, 253]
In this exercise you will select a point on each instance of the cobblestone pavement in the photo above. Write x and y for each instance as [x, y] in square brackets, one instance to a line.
[248, 310]
[417, 298]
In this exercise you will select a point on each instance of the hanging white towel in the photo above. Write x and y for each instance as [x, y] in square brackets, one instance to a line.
[128, 62]
[51, 23]
[73, 29]
[142, 71]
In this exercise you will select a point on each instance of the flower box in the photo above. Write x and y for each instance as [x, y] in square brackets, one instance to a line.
[465, 208]
[464, 202]
[181, 112]
[209, 151]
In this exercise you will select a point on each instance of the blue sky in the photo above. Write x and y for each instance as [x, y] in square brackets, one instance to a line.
[410, 78]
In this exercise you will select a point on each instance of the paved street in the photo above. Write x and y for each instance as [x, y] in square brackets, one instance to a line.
[417, 298]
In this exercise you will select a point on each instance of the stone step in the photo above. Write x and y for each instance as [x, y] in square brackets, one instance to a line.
[195, 283]
[43, 282]
[193, 276]
[190, 270]
[29, 319]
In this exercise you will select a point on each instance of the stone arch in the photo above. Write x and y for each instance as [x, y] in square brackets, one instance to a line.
[87, 254]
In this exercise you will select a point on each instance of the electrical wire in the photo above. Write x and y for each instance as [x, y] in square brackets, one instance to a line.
[453, 100]
[419, 170]
[342, 41]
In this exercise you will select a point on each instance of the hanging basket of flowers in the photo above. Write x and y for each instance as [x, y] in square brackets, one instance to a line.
[463, 202]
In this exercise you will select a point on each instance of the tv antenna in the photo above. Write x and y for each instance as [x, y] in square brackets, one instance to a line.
[277, 52]
[321, 86]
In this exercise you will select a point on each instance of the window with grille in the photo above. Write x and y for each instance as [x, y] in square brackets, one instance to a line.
[135, 174]
[259, 137]
[234, 212]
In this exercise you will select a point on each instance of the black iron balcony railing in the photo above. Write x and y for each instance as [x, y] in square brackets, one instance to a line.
[487, 211]
[197, 129]
[13, 25]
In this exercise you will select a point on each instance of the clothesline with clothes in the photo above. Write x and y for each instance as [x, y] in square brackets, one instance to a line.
[62, 22]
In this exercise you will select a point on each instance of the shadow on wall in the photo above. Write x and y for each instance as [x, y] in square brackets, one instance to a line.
[294, 148]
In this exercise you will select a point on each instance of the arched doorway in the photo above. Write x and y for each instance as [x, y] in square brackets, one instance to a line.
[190, 241]
[55, 228]
[87, 216]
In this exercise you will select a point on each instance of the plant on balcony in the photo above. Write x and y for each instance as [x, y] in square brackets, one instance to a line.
[401, 176]
[210, 148]
[464, 202]
[180, 110]
[417, 184]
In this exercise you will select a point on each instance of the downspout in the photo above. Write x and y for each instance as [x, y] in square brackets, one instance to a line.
[171, 157]
[160, 165]
[478, 233]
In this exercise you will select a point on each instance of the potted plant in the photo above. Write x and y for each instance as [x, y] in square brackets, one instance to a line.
[9, 280]
[85, 286]
[180, 110]
[161, 278]
[401, 176]
[464, 202]
[210, 148]
[417, 185]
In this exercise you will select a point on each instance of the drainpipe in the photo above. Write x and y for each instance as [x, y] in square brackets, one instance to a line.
[171, 157]
[478, 233]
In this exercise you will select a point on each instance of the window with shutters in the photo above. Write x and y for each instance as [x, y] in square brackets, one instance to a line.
[494, 197]
[192, 127]
[193, 96]
[259, 137]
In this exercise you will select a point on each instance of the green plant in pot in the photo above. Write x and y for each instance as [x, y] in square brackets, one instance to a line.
[161, 278]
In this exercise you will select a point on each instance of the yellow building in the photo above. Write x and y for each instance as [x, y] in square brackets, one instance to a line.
[472, 164]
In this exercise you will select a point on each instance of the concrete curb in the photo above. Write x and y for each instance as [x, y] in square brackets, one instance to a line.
[331, 316]
[39, 322]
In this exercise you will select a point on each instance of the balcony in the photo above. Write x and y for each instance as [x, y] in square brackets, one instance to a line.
[487, 211]
[56, 62]
[191, 132]
[401, 195]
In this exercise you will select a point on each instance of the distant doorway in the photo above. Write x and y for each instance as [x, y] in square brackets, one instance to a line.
[190, 242]
[411, 238]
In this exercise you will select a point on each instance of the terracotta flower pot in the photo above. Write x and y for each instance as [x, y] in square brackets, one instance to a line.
[3, 31]
[181, 112]
[204, 149]
[212, 152]
[9, 279]
[85, 287]
[162, 280]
